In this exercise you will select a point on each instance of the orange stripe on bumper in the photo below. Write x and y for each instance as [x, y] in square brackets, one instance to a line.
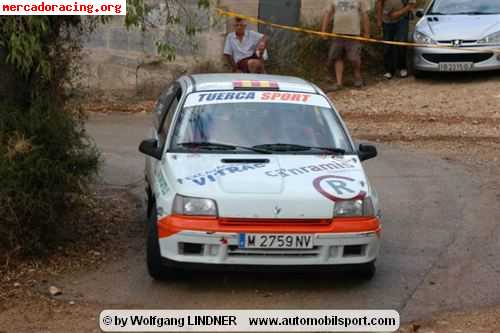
[171, 225]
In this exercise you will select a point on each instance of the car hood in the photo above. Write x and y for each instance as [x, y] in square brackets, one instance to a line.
[269, 186]
[463, 27]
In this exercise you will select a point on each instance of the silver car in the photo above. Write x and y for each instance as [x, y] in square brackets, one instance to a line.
[461, 24]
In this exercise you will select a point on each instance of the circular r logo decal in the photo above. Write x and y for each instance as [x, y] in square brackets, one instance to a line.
[338, 188]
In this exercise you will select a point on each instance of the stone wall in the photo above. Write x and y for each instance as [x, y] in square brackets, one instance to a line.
[125, 62]
[121, 61]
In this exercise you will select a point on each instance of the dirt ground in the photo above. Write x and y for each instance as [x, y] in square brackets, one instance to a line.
[455, 117]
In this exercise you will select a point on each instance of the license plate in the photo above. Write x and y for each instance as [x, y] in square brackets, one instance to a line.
[455, 66]
[275, 241]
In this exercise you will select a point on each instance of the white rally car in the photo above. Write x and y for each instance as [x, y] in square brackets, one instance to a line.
[256, 171]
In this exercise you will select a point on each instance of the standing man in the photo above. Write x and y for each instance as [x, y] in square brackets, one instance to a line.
[245, 50]
[350, 17]
[393, 17]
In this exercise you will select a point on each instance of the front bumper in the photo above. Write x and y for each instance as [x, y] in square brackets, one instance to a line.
[221, 247]
[428, 59]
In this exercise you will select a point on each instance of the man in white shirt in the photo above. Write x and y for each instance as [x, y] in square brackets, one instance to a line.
[245, 50]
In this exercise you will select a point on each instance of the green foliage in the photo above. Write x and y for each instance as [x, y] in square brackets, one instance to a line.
[46, 160]
[175, 13]
[24, 39]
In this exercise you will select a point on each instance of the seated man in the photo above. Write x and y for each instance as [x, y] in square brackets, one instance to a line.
[245, 50]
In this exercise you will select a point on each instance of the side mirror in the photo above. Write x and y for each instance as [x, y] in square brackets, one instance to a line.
[366, 152]
[419, 13]
[150, 148]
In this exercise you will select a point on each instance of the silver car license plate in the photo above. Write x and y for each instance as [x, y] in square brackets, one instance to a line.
[455, 66]
[276, 241]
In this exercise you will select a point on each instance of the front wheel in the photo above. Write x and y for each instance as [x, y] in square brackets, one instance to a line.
[153, 254]
[420, 74]
[366, 271]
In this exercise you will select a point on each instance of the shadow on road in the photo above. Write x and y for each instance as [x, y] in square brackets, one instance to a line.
[273, 281]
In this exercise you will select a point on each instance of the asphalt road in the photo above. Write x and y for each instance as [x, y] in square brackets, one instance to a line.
[441, 244]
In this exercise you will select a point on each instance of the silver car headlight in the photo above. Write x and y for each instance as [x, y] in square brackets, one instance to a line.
[422, 38]
[354, 208]
[194, 206]
[491, 39]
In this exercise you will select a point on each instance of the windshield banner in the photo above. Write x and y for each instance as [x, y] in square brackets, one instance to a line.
[226, 97]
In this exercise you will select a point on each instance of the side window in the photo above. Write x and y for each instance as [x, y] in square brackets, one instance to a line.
[163, 132]
[163, 104]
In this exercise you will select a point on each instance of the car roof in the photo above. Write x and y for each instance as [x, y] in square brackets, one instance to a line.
[218, 82]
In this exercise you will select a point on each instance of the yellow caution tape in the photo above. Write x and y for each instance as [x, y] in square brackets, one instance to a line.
[255, 20]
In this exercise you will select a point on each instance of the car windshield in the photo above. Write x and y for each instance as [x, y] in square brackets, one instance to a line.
[465, 7]
[260, 127]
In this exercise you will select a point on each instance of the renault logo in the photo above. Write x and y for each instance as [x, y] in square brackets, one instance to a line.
[457, 43]
[277, 211]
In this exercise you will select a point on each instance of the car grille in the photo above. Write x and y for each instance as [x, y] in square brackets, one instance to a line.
[245, 221]
[234, 251]
[450, 42]
[457, 57]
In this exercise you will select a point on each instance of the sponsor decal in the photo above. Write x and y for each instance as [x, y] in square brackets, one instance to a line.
[220, 97]
[250, 95]
[162, 183]
[332, 165]
[293, 97]
[338, 188]
[226, 96]
[206, 177]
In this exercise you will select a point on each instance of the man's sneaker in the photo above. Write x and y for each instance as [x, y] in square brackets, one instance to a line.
[403, 73]
[358, 83]
[388, 76]
[334, 87]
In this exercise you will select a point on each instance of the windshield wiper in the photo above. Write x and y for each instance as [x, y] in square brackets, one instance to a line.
[472, 13]
[221, 146]
[285, 147]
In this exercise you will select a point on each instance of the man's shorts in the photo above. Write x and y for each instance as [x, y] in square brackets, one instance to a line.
[351, 48]
[243, 64]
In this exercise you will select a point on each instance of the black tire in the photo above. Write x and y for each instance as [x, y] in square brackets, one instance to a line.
[367, 271]
[153, 254]
[149, 202]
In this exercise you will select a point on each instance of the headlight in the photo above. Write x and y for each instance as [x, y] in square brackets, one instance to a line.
[421, 38]
[354, 208]
[194, 206]
[491, 39]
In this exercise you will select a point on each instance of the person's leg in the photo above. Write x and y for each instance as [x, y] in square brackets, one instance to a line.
[339, 71]
[389, 50]
[402, 36]
[335, 55]
[353, 52]
[255, 66]
[243, 65]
